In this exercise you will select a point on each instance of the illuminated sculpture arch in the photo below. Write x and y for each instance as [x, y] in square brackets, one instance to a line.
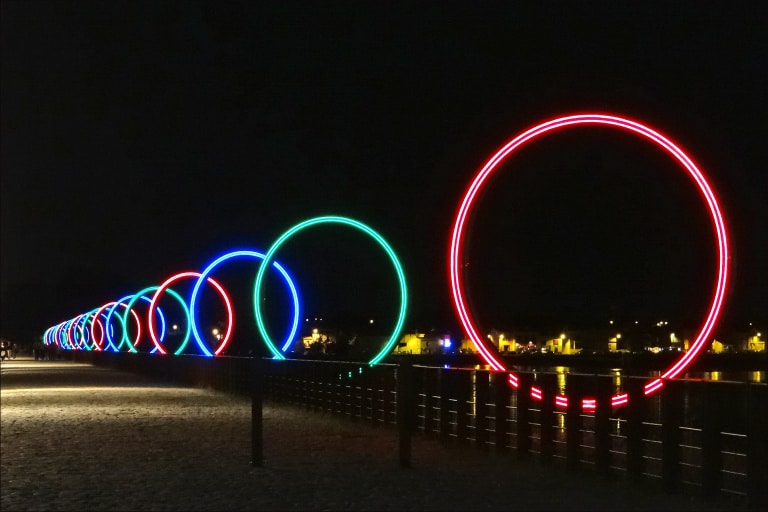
[57, 335]
[53, 335]
[77, 328]
[95, 320]
[156, 341]
[142, 294]
[72, 332]
[87, 330]
[71, 342]
[124, 339]
[332, 219]
[106, 311]
[243, 254]
[47, 335]
[457, 237]
[67, 333]
[227, 303]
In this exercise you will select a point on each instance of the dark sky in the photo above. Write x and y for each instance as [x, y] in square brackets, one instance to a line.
[140, 139]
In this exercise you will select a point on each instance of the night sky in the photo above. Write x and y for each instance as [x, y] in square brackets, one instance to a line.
[141, 139]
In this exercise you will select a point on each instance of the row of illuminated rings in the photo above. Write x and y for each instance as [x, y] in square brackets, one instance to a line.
[94, 330]
[65, 330]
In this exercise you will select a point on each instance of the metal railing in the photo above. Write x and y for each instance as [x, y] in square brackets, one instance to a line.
[695, 436]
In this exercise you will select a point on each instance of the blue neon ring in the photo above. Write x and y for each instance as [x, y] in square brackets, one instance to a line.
[216, 262]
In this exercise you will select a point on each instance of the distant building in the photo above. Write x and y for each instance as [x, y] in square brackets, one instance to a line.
[562, 345]
[755, 344]
[719, 347]
[423, 343]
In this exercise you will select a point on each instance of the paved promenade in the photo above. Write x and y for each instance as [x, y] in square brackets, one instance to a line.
[77, 437]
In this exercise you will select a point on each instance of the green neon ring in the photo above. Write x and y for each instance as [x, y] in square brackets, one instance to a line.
[331, 219]
[139, 295]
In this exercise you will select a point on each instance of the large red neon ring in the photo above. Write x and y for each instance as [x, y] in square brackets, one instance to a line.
[457, 285]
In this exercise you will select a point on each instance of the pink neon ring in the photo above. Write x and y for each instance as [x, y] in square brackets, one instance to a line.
[97, 344]
[171, 280]
[529, 135]
[100, 343]
[104, 327]
[57, 334]
[132, 347]
[70, 336]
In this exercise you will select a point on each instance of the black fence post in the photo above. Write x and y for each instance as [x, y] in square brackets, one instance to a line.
[636, 428]
[463, 380]
[711, 440]
[257, 413]
[431, 390]
[523, 423]
[757, 446]
[336, 384]
[502, 393]
[323, 385]
[347, 390]
[446, 391]
[547, 382]
[671, 435]
[374, 381]
[575, 386]
[297, 380]
[377, 395]
[365, 394]
[482, 396]
[405, 405]
[318, 374]
[308, 371]
[389, 405]
[603, 392]
[356, 388]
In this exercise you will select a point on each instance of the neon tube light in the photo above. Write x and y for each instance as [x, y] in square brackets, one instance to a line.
[124, 340]
[222, 293]
[481, 178]
[240, 254]
[150, 317]
[257, 289]
[129, 307]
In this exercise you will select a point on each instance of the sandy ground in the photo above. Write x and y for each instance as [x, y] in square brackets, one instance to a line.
[77, 437]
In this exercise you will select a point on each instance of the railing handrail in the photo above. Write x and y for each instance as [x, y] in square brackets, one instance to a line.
[484, 410]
